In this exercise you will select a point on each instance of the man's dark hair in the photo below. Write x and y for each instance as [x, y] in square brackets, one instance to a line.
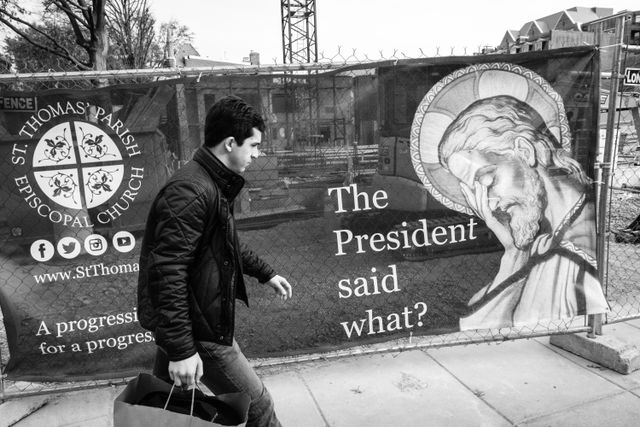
[231, 116]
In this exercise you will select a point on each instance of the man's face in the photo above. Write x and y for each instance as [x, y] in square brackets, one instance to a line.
[515, 192]
[241, 156]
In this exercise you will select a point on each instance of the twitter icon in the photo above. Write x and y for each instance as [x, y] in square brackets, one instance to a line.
[68, 247]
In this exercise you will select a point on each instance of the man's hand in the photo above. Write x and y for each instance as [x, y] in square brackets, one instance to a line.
[281, 286]
[513, 258]
[478, 200]
[186, 372]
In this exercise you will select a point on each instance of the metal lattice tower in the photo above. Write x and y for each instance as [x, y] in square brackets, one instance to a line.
[299, 36]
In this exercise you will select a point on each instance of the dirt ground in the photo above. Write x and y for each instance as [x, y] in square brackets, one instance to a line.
[622, 284]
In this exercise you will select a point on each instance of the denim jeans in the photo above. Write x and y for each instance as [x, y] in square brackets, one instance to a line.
[226, 370]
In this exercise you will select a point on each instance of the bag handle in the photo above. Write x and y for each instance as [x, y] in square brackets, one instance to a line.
[193, 398]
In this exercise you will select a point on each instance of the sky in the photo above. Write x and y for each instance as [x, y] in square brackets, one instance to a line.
[231, 29]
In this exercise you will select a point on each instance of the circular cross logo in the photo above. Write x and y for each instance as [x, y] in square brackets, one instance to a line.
[77, 165]
[77, 173]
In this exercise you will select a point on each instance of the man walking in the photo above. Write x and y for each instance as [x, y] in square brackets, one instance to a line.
[192, 264]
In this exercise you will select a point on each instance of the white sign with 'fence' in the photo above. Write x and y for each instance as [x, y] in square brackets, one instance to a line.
[632, 76]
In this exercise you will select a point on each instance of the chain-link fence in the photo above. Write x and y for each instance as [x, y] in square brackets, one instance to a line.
[623, 222]
[328, 205]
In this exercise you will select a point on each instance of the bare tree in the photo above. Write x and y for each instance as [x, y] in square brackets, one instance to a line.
[132, 32]
[86, 19]
[89, 34]
[27, 57]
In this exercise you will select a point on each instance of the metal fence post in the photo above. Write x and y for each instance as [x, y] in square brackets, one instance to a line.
[1, 379]
[595, 321]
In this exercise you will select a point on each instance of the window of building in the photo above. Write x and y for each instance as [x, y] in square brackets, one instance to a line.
[609, 25]
[324, 132]
[562, 25]
[282, 103]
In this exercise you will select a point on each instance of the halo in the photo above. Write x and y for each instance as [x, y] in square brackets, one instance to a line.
[454, 93]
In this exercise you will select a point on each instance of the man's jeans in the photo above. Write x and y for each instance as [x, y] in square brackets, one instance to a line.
[226, 370]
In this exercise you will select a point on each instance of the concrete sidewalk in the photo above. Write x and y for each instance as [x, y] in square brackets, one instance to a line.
[524, 382]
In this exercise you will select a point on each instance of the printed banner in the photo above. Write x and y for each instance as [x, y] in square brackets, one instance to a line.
[78, 173]
[401, 198]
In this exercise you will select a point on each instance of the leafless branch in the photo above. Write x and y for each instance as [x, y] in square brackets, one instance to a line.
[56, 49]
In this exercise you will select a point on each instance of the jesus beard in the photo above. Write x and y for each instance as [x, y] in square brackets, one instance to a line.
[524, 218]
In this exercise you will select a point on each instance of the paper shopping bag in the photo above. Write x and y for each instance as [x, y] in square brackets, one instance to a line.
[147, 401]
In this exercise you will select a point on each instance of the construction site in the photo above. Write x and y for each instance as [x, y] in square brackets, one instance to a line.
[341, 199]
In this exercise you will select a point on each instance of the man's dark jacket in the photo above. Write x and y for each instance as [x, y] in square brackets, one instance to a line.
[191, 262]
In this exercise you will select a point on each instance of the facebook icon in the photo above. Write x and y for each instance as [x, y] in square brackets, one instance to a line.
[42, 250]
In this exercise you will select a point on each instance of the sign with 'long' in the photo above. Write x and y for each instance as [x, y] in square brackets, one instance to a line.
[632, 76]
